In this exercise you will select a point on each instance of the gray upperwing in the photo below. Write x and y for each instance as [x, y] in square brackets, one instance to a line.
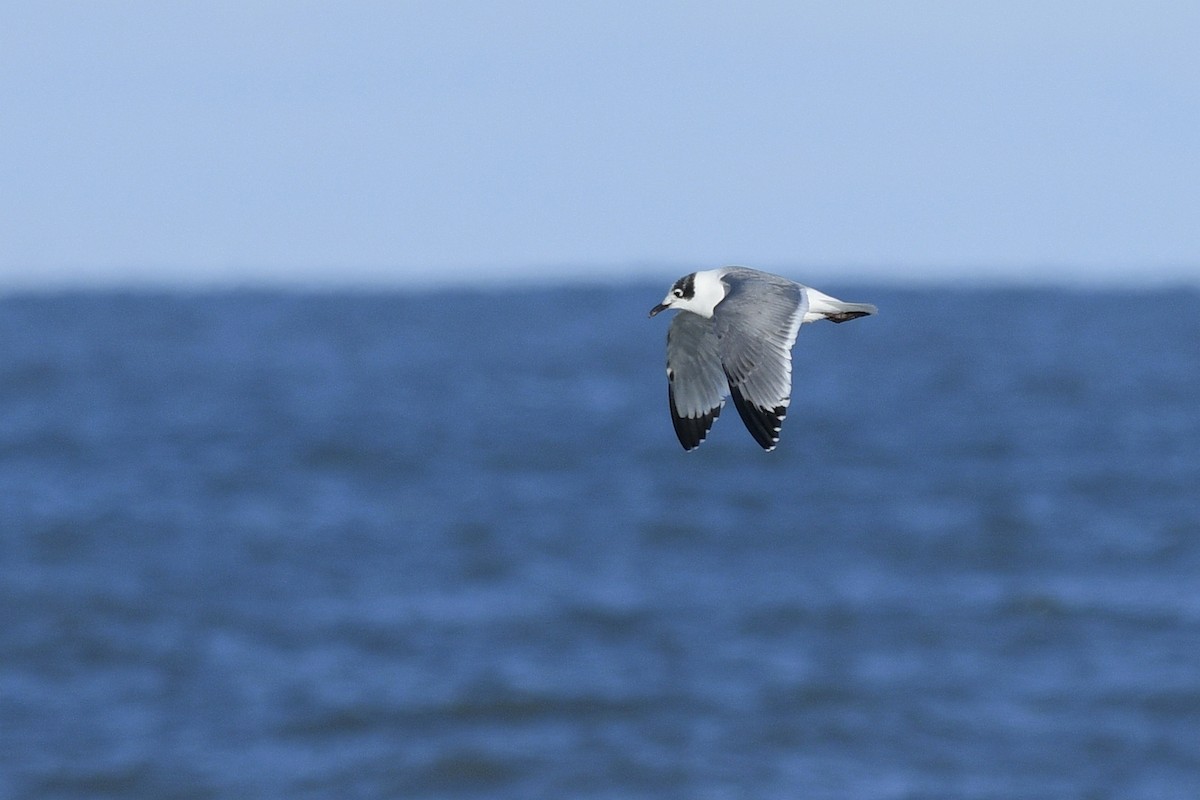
[756, 326]
[696, 384]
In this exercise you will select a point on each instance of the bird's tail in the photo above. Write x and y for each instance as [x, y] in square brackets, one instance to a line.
[822, 306]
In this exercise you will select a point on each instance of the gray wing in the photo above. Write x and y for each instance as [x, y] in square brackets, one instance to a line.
[696, 384]
[756, 325]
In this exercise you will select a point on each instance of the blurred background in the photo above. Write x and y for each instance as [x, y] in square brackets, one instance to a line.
[335, 458]
[386, 143]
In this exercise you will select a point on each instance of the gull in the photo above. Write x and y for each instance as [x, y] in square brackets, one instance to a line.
[733, 335]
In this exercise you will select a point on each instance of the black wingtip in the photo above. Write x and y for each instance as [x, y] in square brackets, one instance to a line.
[691, 431]
[764, 424]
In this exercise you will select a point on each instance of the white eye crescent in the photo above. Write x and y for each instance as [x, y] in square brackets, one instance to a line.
[677, 292]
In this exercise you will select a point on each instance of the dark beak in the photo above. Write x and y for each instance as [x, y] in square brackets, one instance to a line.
[658, 308]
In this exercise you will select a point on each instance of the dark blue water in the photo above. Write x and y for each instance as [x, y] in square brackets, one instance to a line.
[445, 545]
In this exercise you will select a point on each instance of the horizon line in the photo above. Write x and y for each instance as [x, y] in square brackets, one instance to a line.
[372, 279]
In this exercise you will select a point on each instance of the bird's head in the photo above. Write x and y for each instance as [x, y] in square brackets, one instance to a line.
[699, 293]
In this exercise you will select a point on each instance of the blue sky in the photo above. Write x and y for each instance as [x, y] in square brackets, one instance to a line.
[391, 142]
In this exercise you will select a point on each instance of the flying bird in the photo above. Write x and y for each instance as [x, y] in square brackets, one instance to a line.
[733, 335]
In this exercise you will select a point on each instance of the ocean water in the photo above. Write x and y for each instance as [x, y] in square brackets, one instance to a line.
[445, 545]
